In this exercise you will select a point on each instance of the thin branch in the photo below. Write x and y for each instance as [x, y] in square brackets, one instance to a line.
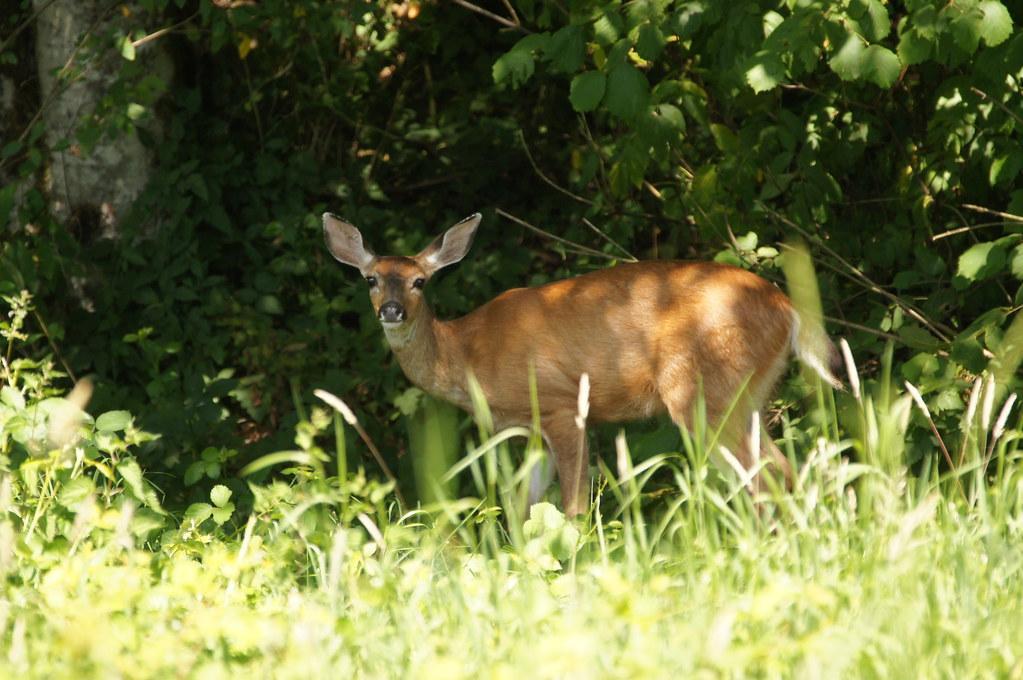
[989, 211]
[591, 225]
[545, 178]
[940, 330]
[963, 230]
[984, 95]
[508, 23]
[24, 24]
[53, 345]
[581, 249]
[511, 10]
[161, 32]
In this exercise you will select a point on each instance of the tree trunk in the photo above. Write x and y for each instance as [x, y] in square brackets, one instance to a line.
[103, 183]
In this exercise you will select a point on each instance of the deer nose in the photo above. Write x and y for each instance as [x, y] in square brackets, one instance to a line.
[392, 312]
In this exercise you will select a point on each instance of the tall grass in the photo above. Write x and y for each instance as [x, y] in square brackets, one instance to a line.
[863, 569]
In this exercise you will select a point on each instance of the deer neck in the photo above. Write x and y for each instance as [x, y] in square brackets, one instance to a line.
[429, 357]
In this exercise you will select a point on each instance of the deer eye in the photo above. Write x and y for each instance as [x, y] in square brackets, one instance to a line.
[372, 281]
[419, 283]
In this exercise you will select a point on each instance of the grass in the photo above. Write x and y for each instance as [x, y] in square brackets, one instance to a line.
[865, 569]
[857, 573]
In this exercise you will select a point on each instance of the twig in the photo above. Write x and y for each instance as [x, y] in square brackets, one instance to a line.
[610, 240]
[584, 250]
[490, 15]
[349, 416]
[53, 345]
[161, 32]
[511, 10]
[545, 178]
[1003, 107]
[989, 211]
[963, 230]
[24, 24]
[940, 330]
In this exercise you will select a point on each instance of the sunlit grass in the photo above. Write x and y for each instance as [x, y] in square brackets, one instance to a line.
[863, 569]
[860, 571]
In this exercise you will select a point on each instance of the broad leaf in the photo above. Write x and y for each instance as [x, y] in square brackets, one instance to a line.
[880, 66]
[996, 24]
[846, 62]
[627, 91]
[765, 71]
[220, 494]
[113, 421]
[566, 49]
[587, 90]
[870, 19]
[650, 42]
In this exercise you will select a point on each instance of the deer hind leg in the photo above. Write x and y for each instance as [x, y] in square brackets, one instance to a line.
[731, 413]
[571, 455]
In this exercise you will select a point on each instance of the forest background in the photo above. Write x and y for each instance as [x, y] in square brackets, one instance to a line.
[164, 163]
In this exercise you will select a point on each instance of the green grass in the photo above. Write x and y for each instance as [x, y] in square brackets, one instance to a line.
[859, 572]
[864, 569]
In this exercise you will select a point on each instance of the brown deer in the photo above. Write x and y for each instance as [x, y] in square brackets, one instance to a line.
[650, 335]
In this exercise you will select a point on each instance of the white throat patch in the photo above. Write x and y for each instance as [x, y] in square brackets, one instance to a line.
[398, 334]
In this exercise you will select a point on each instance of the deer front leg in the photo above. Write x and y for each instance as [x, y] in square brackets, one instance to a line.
[571, 455]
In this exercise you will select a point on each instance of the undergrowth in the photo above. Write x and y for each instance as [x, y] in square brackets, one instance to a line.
[864, 569]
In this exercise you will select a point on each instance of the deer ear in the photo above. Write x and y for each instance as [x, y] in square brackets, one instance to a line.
[345, 243]
[450, 247]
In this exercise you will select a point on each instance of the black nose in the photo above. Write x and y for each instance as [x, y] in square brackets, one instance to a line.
[392, 312]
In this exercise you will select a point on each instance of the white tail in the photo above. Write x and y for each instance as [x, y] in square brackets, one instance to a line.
[650, 335]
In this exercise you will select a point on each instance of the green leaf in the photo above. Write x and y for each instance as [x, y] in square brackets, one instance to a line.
[855, 60]
[113, 421]
[966, 29]
[726, 140]
[1015, 203]
[269, 304]
[587, 90]
[916, 337]
[146, 520]
[996, 24]
[765, 71]
[198, 513]
[914, 48]
[131, 473]
[627, 91]
[607, 28]
[221, 515]
[1016, 263]
[12, 397]
[880, 66]
[870, 19]
[846, 62]
[127, 48]
[194, 472]
[220, 495]
[516, 65]
[983, 260]
[630, 166]
[566, 49]
[135, 111]
[650, 42]
[1005, 167]
[76, 491]
[11, 148]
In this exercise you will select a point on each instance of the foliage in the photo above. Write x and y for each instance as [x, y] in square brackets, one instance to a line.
[865, 569]
[885, 134]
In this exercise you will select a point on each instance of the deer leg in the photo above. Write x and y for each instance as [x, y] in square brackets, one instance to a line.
[571, 455]
[540, 477]
[680, 397]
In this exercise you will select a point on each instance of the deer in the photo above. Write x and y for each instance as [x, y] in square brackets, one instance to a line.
[651, 336]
